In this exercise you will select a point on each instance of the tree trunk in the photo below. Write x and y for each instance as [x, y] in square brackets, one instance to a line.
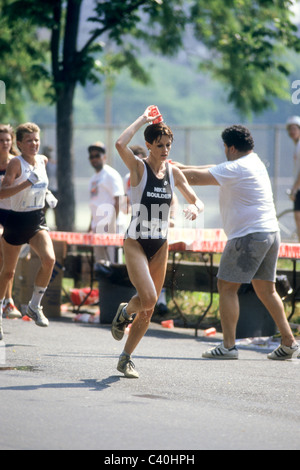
[65, 158]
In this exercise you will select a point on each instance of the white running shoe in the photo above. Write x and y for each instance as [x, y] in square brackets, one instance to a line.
[120, 322]
[282, 353]
[220, 352]
[11, 311]
[37, 315]
[127, 367]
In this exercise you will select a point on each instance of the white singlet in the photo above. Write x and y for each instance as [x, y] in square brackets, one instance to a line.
[32, 198]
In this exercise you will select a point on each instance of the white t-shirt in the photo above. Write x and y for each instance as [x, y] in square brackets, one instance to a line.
[104, 186]
[246, 197]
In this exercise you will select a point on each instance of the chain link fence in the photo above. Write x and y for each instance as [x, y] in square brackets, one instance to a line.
[197, 145]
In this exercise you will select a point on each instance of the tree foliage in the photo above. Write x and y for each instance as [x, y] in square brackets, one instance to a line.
[248, 41]
[22, 58]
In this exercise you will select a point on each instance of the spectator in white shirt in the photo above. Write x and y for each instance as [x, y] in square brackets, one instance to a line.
[251, 253]
[105, 189]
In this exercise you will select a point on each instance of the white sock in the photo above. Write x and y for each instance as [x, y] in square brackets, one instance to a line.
[124, 353]
[125, 314]
[38, 293]
[8, 301]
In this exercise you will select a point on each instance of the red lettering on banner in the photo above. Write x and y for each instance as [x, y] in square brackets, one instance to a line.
[289, 250]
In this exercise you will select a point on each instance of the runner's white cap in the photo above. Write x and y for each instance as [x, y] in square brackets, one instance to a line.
[293, 120]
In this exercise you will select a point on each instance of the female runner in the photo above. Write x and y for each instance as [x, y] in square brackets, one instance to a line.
[145, 245]
[6, 154]
[26, 183]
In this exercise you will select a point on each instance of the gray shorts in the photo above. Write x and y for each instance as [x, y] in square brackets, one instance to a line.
[251, 257]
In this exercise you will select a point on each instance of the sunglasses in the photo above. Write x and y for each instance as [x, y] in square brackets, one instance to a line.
[98, 155]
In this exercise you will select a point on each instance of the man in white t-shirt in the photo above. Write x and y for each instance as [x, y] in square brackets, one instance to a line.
[293, 129]
[106, 190]
[251, 253]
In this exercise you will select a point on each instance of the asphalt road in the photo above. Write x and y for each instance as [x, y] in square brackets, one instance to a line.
[59, 389]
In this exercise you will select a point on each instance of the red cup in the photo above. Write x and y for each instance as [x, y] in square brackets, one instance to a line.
[167, 324]
[210, 332]
[154, 111]
[26, 318]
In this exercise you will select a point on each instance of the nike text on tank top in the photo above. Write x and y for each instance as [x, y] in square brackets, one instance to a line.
[150, 203]
[32, 198]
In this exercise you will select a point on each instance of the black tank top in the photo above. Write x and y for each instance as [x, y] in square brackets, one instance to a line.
[150, 217]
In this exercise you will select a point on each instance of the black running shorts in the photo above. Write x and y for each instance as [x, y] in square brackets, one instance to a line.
[3, 216]
[20, 227]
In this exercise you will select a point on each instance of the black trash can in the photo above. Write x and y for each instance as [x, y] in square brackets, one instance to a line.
[114, 288]
[254, 320]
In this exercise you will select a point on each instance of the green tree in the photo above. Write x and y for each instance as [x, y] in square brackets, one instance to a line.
[246, 40]
[20, 46]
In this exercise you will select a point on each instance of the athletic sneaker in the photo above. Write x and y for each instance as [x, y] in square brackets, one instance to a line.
[11, 311]
[282, 353]
[120, 322]
[127, 367]
[220, 352]
[1, 330]
[36, 313]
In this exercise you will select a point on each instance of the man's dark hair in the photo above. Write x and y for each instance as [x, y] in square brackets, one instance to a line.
[239, 136]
